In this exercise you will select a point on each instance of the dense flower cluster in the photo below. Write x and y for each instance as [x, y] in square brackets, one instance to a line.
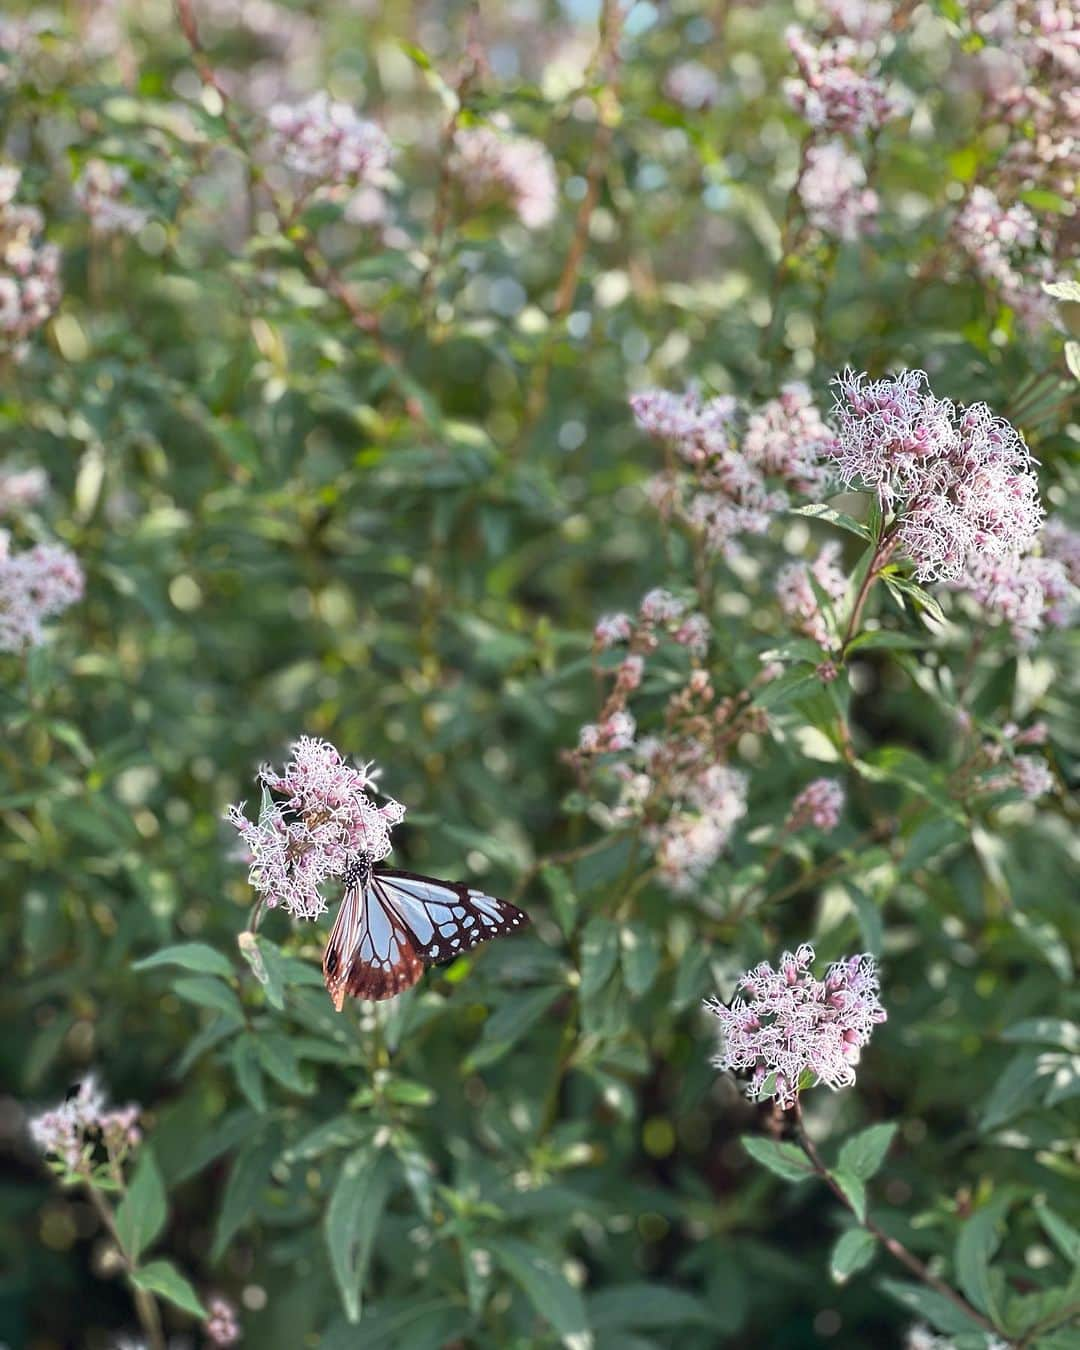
[221, 1325]
[491, 165]
[730, 475]
[798, 599]
[325, 145]
[819, 804]
[790, 1024]
[99, 190]
[70, 1132]
[1029, 592]
[29, 267]
[836, 90]
[35, 585]
[834, 192]
[999, 241]
[316, 818]
[959, 479]
[20, 488]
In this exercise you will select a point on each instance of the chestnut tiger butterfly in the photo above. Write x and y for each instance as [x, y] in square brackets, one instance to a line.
[392, 924]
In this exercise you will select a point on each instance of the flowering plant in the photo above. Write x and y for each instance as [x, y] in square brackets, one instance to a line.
[650, 435]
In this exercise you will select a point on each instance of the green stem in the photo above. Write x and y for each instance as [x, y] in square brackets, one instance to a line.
[881, 556]
[146, 1306]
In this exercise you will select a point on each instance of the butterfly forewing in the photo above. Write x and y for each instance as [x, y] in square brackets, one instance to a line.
[445, 918]
[389, 927]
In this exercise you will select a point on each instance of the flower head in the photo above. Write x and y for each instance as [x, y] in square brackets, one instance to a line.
[35, 585]
[960, 479]
[99, 190]
[221, 1325]
[798, 598]
[326, 145]
[832, 93]
[819, 804]
[70, 1132]
[20, 488]
[317, 817]
[790, 1024]
[492, 165]
[834, 192]
[29, 267]
[692, 85]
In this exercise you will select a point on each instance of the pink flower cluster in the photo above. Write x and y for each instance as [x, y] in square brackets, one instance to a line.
[706, 802]
[100, 190]
[69, 1133]
[835, 91]
[999, 241]
[325, 145]
[1028, 591]
[693, 86]
[834, 192]
[221, 1325]
[316, 818]
[29, 267]
[790, 1024]
[491, 165]
[798, 599]
[959, 479]
[820, 804]
[20, 488]
[729, 475]
[35, 585]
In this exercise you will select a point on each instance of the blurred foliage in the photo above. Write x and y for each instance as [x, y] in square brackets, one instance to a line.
[286, 532]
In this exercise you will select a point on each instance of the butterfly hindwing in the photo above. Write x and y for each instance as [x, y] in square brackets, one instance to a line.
[370, 954]
[445, 918]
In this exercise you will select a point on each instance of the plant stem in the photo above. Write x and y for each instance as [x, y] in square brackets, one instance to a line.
[881, 556]
[892, 1245]
[145, 1304]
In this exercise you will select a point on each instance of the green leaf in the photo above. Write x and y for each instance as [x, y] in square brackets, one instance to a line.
[515, 1015]
[786, 688]
[162, 1278]
[352, 1218]
[1072, 358]
[882, 638]
[599, 953]
[250, 1174]
[640, 957]
[196, 956]
[1012, 1092]
[268, 965]
[854, 1191]
[1060, 1232]
[278, 1059]
[244, 1057]
[863, 1154]
[210, 993]
[841, 519]
[782, 1159]
[976, 1244]
[142, 1212]
[641, 1306]
[563, 899]
[854, 1250]
[1045, 1031]
[929, 1306]
[545, 1286]
[341, 1132]
[901, 586]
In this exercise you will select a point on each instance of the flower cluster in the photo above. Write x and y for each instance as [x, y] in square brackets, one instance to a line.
[35, 585]
[490, 165]
[316, 818]
[834, 192]
[790, 1024]
[325, 145]
[836, 90]
[20, 488]
[99, 190]
[999, 241]
[70, 1133]
[728, 475]
[799, 600]
[1029, 592]
[221, 1325]
[29, 267]
[819, 804]
[959, 479]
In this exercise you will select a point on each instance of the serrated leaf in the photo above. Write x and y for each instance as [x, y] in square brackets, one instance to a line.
[352, 1218]
[163, 1279]
[863, 1154]
[544, 1285]
[976, 1244]
[141, 1214]
[199, 957]
[782, 1159]
[854, 1250]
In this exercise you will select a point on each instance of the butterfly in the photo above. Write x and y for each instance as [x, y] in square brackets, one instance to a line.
[392, 924]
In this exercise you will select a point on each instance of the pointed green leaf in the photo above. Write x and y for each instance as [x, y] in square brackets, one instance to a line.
[352, 1218]
[247, 1180]
[976, 1244]
[863, 1154]
[556, 1300]
[163, 1279]
[195, 956]
[210, 993]
[141, 1214]
[782, 1159]
[854, 1191]
[854, 1250]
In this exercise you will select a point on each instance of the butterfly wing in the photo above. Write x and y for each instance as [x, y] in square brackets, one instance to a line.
[370, 953]
[444, 918]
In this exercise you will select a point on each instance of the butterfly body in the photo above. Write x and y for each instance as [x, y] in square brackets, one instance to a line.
[392, 924]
